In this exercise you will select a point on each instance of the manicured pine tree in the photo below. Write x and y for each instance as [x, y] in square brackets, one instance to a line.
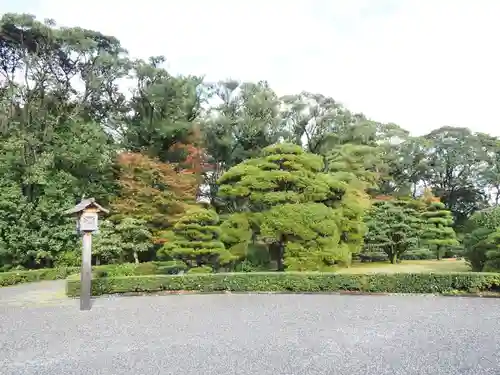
[286, 186]
[492, 262]
[392, 228]
[196, 241]
[438, 233]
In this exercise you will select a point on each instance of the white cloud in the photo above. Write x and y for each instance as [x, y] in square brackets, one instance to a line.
[418, 63]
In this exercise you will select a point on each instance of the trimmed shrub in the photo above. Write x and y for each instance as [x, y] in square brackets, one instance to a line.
[295, 282]
[421, 254]
[373, 256]
[202, 269]
[106, 270]
[146, 269]
[19, 277]
[141, 269]
[172, 267]
[113, 270]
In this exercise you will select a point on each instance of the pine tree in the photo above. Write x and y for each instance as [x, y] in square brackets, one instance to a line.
[196, 241]
[306, 236]
[283, 174]
[391, 228]
[236, 234]
[286, 180]
[438, 233]
[492, 263]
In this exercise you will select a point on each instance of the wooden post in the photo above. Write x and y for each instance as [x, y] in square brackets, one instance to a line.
[86, 272]
[87, 222]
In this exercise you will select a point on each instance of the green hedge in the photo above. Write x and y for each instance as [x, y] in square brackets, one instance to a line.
[19, 277]
[420, 254]
[132, 269]
[108, 270]
[294, 282]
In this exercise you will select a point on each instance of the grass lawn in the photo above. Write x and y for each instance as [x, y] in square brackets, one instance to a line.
[409, 266]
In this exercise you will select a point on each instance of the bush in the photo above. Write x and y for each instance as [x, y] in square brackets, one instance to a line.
[172, 267]
[68, 259]
[202, 269]
[421, 254]
[373, 256]
[245, 266]
[146, 269]
[295, 282]
[18, 277]
[113, 270]
[141, 269]
[102, 271]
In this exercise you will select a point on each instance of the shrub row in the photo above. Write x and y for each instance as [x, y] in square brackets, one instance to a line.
[294, 282]
[18, 277]
[132, 269]
[418, 254]
[109, 270]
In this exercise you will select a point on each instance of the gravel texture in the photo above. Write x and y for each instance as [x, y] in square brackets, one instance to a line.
[249, 334]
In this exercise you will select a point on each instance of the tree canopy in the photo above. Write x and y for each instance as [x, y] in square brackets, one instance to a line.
[80, 117]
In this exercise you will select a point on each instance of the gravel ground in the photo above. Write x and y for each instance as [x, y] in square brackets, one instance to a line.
[249, 334]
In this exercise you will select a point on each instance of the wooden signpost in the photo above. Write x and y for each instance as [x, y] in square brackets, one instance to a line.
[87, 222]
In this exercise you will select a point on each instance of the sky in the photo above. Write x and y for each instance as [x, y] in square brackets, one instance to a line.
[420, 64]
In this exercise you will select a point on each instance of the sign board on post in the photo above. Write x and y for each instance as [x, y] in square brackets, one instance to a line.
[87, 212]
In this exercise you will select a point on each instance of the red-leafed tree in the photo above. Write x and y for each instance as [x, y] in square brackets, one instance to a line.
[159, 193]
[193, 156]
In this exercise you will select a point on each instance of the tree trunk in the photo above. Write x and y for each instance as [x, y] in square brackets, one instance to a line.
[136, 257]
[97, 260]
[393, 258]
[438, 253]
[281, 254]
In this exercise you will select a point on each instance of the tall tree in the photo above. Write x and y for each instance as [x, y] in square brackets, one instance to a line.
[164, 110]
[244, 120]
[454, 162]
[53, 148]
[489, 174]
[315, 121]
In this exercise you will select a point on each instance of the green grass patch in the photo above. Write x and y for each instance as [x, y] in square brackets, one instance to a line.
[408, 266]
[304, 282]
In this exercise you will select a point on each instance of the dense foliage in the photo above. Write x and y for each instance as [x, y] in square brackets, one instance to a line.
[219, 175]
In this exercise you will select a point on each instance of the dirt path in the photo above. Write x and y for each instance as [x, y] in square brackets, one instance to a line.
[34, 294]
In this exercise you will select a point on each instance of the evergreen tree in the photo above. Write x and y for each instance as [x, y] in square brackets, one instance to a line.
[236, 234]
[477, 241]
[196, 241]
[391, 228]
[135, 238]
[283, 174]
[106, 243]
[305, 236]
[286, 175]
[437, 232]
[492, 262]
